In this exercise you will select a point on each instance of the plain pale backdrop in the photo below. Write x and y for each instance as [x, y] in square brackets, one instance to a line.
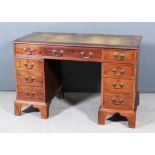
[80, 76]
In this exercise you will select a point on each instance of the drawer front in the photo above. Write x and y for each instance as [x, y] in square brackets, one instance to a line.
[30, 93]
[118, 70]
[118, 85]
[88, 53]
[74, 53]
[118, 101]
[29, 64]
[28, 49]
[118, 55]
[29, 78]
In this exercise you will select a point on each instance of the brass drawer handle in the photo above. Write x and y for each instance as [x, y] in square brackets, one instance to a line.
[28, 50]
[86, 55]
[29, 79]
[121, 100]
[115, 86]
[30, 94]
[57, 52]
[119, 56]
[114, 70]
[29, 65]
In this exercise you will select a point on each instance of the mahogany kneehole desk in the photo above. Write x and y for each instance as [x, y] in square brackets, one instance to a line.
[38, 71]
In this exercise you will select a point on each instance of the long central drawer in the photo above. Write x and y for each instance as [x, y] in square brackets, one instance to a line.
[73, 53]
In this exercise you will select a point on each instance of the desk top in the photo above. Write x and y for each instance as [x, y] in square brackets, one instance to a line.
[75, 39]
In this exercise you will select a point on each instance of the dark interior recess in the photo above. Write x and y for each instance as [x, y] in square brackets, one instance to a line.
[78, 76]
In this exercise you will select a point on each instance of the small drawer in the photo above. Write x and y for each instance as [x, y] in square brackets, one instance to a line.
[74, 53]
[28, 49]
[118, 101]
[118, 85]
[117, 70]
[29, 78]
[30, 93]
[119, 55]
[29, 64]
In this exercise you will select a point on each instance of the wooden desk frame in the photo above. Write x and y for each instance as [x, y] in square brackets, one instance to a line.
[37, 70]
